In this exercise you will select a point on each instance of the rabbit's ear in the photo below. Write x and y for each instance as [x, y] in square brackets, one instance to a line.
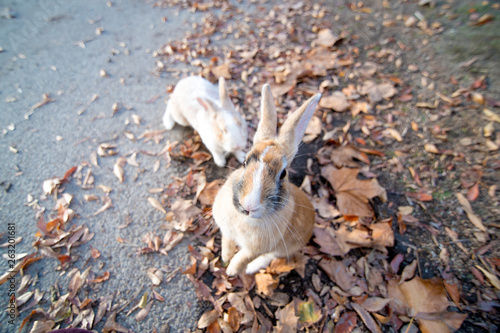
[207, 105]
[292, 131]
[223, 94]
[268, 118]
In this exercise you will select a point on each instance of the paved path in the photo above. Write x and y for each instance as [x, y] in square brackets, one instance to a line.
[51, 47]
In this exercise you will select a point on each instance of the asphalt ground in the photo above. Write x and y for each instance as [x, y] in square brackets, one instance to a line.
[53, 47]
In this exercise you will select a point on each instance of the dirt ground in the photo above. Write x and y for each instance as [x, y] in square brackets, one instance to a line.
[444, 61]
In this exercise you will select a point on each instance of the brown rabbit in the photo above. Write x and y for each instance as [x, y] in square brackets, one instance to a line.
[258, 209]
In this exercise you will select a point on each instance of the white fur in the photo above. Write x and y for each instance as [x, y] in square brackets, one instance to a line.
[197, 103]
[260, 262]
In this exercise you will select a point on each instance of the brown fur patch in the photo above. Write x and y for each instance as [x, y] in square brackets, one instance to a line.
[273, 160]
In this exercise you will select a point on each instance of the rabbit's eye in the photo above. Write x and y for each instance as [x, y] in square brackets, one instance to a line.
[283, 174]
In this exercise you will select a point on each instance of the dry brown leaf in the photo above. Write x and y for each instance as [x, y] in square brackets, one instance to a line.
[476, 220]
[324, 208]
[143, 313]
[347, 156]
[492, 277]
[377, 235]
[101, 278]
[155, 135]
[208, 318]
[408, 271]
[156, 204]
[473, 192]
[375, 304]
[265, 283]
[118, 172]
[107, 204]
[155, 280]
[95, 253]
[233, 319]
[184, 212]
[325, 38]
[394, 133]
[454, 237]
[337, 101]
[492, 116]
[325, 238]
[207, 195]
[370, 323]
[353, 194]
[377, 92]
[287, 320]
[237, 301]
[42, 326]
[346, 323]
[112, 326]
[431, 148]
[338, 273]
[427, 297]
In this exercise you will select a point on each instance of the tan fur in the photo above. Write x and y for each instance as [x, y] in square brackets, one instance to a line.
[274, 229]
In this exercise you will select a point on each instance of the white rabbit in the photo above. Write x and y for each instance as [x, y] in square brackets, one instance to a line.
[258, 209]
[198, 103]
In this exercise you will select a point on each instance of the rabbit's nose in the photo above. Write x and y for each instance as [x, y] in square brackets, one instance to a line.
[249, 207]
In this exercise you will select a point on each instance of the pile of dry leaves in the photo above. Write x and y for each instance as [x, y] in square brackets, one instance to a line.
[348, 277]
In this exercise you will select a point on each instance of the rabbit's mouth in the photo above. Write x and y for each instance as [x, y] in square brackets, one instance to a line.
[255, 214]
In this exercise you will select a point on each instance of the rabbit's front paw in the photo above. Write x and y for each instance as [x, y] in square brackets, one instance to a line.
[259, 263]
[168, 121]
[240, 156]
[220, 160]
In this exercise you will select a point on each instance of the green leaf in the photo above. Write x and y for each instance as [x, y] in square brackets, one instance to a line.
[308, 314]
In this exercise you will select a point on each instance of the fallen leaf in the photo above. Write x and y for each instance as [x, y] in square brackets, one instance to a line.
[325, 238]
[143, 313]
[208, 318]
[308, 313]
[184, 212]
[370, 323]
[338, 273]
[155, 280]
[337, 101]
[431, 148]
[492, 277]
[353, 194]
[420, 196]
[325, 38]
[377, 92]
[233, 319]
[100, 279]
[265, 283]
[473, 192]
[454, 237]
[492, 116]
[394, 133]
[156, 204]
[286, 319]
[409, 271]
[118, 171]
[476, 220]
[207, 195]
[377, 235]
[348, 156]
[112, 326]
[346, 322]
[375, 304]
